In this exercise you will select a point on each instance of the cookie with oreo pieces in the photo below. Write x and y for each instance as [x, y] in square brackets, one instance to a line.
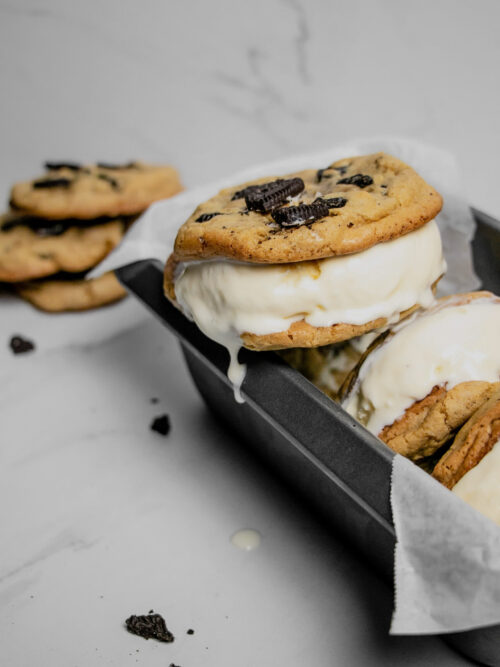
[70, 190]
[344, 208]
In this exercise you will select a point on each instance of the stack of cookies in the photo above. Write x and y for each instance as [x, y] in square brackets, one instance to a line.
[64, 223]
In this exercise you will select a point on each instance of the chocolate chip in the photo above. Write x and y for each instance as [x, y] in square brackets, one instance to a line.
[205, 217]
[320, 174]
[361, 180]
[266, 197]
[342, 170]
[350, 224]
[161, 424]
[335, 202]
[114, 183]
[152, 626]
[294, 216]
[52, 183]
[110, 165]
[20, 345]
[53, 166]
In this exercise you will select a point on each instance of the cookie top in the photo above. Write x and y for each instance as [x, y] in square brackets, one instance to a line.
[474, 440]
[69, 190]
[344, 208]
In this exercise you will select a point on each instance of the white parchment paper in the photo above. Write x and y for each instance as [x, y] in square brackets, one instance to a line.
[447, 565]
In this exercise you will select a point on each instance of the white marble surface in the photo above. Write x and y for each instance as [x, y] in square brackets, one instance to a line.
[101, 517]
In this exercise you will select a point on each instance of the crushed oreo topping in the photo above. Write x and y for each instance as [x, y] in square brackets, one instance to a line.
[20, 345]
[266, 197]
[113, 182]
[110, 165]
[54, 166]
[152, 626]
[52, 183]
[294, 216]
[205, 217]
[334, 202]
[161, 424]
[361, 180]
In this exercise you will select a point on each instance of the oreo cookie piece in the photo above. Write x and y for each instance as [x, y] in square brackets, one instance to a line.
[205, 217]
[52, 183]
[110, 165]
[295, 216]
[161, 424]
[152, 626]
[54, 166]
[334, 202]
[361, 180]
[266, 197]
[20, 345]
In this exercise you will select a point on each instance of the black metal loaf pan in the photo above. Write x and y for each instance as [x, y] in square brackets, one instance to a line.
[336, 464]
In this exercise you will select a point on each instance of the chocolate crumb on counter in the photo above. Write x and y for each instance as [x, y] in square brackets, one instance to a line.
[152, 626]
[19, 345]
[154, 400]
[161, 424]
[190, 631]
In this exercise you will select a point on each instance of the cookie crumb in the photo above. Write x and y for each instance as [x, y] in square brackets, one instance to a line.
[161, 424]
[152, 626]
[190, 631]
[19, 345]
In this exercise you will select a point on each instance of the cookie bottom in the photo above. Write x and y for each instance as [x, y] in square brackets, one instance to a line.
[56, 296]
[474, 440]
[431, 422]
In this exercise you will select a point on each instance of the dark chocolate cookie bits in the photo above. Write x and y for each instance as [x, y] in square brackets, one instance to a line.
[266, 197]
[161, 424]
[361, 180]
[205, 217]
[294, 216]
[52, 183]
[152, 626]
[20, 345]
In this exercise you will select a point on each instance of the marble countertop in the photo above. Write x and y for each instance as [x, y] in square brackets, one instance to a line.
[102, 517]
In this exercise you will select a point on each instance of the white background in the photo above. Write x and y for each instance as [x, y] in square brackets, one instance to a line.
[100, 517]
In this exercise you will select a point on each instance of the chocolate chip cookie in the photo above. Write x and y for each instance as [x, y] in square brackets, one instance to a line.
[344, 208]
[70, 190]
